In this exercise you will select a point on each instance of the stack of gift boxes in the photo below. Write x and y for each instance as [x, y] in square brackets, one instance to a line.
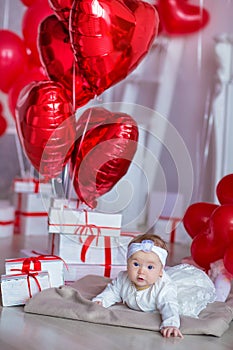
[80, 242]
[24, 277]
[88, 241]
[28, 215]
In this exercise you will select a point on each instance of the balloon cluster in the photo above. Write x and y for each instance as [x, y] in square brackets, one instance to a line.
[3, 122]
[211, 227]
[72, 51]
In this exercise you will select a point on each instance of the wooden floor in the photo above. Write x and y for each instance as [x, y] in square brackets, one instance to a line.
[19, 330]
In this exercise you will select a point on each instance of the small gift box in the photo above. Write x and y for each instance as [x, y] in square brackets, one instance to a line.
[83, 222]
[7, 219]
[30, 185]
[18, 288]
[76, 249]
[76, 271]
[51, 264]
[25, 186]
[34, 214]
[172, 230]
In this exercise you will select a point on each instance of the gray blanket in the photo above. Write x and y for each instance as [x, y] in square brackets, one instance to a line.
[73, 302]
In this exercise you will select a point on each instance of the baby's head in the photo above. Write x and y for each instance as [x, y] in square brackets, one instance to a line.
[146, 259]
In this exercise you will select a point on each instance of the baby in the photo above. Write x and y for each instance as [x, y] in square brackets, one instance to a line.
[148, 286]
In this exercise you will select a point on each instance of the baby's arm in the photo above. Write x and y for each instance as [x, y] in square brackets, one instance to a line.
[169, 310]
[111, 294]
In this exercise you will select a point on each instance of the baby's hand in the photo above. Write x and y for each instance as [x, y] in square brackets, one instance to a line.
[98, 302]
[171, 331]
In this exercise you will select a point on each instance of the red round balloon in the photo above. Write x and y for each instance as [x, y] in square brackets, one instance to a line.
[30, 75]
[178, 17]
[103, 152]
[228, 259]
[58, 60]
[205, 250]
[110, 38]
[62, 9]
[224, 189]
[221, 224]
[3, 125]
[197, 216]
[13, 58]
[30, 26]
[29, 3]
[46, 126]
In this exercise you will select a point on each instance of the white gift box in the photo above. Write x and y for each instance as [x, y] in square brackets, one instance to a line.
[51, 264]
[18, 288]
[74, 272]
[34, 214]
[172, 230]
[107, 250]
[7, 218]
[29, 185]
[71, 221]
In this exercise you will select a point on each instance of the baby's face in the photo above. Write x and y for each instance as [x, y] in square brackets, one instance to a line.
[144, 268]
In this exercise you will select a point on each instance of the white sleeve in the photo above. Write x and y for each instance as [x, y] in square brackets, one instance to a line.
[167, 305]
[112, 293]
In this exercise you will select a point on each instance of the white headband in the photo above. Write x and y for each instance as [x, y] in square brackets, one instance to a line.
[147, 245]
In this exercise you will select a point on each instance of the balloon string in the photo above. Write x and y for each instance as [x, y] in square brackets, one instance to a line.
[66, 183]
[80, 146]
[6, 14]
[199, 43]
[74, 85]
[20, 157]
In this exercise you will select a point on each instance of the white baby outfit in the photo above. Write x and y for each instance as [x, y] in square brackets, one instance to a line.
[182, 290]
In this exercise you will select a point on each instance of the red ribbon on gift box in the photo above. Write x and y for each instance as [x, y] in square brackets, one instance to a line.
[29, 274]
[35, 181]
[107, 251]
[86, 245]
[35, 261]
[34, 214]
[5, 223]
[33, 275]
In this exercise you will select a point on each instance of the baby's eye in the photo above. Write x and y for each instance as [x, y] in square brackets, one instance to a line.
[150, 267]
[135, 263]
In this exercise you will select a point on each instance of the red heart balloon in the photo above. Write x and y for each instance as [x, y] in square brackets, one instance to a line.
[58, 60]
[109, 38]
[221, 224]
[205, 250]
[197, 216]
[103, 152]
[46, 126]
[224, 190]
[180, 17]
[62, 9]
